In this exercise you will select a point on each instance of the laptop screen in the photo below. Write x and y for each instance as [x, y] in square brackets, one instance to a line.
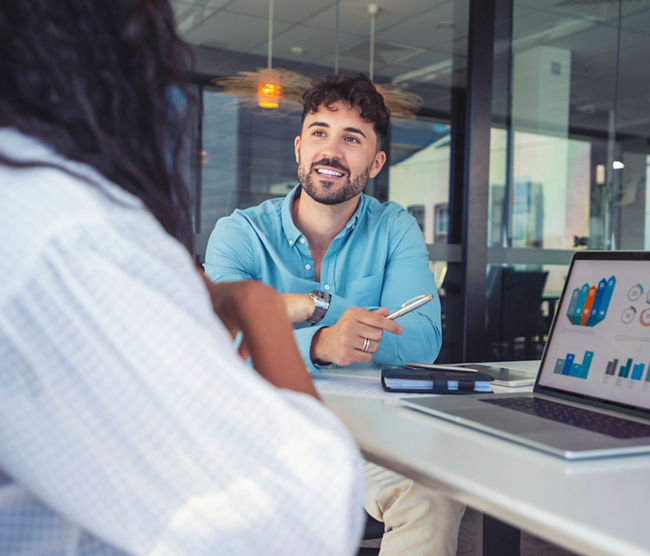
[599, 346]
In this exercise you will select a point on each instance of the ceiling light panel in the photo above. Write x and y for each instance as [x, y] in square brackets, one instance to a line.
[316, 43]
[238, 32]
[421, 31]
[191, 14]
[293, 11]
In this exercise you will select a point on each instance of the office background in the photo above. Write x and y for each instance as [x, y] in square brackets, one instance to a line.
[531, 140]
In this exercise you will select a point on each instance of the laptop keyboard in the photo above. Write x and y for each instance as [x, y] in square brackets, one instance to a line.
[575, 416]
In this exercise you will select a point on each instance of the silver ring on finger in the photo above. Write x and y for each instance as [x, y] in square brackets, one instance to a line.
[366, 344]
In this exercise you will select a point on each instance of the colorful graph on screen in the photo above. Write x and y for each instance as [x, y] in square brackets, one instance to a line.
[570, 367]
[589, 304]
[624, 370]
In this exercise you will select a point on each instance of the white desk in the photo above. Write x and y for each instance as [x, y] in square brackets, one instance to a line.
[594, 507]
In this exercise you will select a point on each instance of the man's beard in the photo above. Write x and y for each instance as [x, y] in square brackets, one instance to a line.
[326, 194]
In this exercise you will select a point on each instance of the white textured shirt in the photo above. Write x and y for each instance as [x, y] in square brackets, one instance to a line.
[128, 424]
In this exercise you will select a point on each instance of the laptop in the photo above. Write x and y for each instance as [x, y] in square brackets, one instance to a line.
[591, 397]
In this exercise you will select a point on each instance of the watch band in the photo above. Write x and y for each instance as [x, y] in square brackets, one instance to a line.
[321, 305]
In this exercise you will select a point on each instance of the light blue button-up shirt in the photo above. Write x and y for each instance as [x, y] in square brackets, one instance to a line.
[378, 259]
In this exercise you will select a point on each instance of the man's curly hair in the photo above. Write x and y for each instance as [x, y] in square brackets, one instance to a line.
[356, 90]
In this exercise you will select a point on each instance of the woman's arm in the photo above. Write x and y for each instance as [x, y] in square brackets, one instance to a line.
[260, 313]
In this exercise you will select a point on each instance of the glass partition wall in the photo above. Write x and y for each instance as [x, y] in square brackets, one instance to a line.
[569, 152]
[562, 163]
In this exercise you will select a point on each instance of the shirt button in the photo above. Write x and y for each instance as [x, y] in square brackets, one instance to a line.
[302, 240]
[307, 266]
[291, 242]
[326, 286]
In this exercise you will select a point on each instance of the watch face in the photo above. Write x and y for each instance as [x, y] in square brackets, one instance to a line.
[321, 305]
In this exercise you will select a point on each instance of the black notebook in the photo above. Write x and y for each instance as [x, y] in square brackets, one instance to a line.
[434, 381]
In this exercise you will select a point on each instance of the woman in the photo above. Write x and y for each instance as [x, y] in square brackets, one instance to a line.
[127, 422]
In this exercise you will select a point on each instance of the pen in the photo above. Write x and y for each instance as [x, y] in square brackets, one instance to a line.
[410, 305]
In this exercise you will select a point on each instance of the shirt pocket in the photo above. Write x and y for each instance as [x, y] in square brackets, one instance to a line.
[365, 292]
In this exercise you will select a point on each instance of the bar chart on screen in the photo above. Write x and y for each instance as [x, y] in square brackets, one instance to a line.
[629, 369]
[568, 365]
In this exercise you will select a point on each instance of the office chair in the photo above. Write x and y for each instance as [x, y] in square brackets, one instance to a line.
[514, 311]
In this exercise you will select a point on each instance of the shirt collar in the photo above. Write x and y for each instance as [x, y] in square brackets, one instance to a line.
[357, 213]
[293, 234]
[290, 231]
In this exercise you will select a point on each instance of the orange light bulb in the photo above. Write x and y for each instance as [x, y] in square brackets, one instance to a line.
[268, 95]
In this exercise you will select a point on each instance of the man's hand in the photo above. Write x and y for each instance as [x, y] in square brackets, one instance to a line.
[300, 306]
[342, 343]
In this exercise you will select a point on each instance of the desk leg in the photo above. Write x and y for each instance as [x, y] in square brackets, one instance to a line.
[499, 538]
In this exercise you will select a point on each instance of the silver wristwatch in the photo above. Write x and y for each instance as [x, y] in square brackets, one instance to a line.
[321, 305]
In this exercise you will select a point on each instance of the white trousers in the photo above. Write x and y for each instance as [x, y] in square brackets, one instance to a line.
[418, 521]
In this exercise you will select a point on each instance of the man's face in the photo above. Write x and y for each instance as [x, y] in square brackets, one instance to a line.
[336, 153]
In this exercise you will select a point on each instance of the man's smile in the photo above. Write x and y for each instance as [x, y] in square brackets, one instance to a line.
[330, 168]
[328, 172]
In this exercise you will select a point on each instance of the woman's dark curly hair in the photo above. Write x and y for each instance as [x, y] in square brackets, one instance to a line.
[102, 82]
[355, 89]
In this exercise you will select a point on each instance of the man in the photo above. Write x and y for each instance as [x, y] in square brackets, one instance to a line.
[128, 424]
[343, 261]
[351, 252]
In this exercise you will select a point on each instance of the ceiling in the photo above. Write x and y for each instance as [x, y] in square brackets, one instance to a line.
[417, 40]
